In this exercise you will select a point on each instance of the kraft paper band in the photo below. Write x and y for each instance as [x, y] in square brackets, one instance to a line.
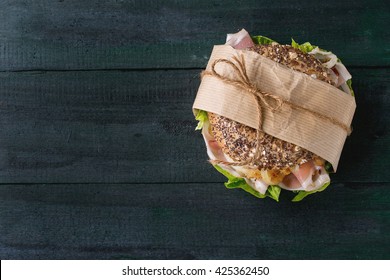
[317, 135]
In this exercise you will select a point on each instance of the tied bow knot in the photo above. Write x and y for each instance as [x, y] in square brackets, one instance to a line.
[241, 80]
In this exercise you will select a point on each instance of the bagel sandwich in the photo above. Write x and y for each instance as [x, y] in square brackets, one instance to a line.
[281, 165]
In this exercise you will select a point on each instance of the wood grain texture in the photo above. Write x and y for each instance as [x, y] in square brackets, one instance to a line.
[191, 221]
[112, 34]
[114, 126]
[98, 154]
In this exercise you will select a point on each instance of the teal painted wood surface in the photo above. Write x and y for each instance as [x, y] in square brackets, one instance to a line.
[98, 154]
[74, 34]
[191, 221]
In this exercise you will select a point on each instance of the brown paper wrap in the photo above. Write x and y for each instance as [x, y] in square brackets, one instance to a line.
[301, 128]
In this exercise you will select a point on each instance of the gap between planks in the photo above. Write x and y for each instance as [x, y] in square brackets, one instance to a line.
[150, 69]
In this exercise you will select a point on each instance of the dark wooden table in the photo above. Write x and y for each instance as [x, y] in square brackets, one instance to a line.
[98, 154]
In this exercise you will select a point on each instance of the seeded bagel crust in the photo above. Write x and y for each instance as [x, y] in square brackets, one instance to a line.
[295, 59]
[238, 141]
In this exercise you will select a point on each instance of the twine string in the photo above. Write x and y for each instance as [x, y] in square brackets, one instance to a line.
[263, 100]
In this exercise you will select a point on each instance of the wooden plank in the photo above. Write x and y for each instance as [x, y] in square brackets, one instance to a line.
[175, 34]
[115, 126]
[191, 221]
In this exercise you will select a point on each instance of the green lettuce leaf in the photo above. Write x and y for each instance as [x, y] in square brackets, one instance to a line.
[349, 84]
[305, 47]
[201, 116]
[240, 183]
[273, 192]
[261, 40]
[225, 173]
[302, 194]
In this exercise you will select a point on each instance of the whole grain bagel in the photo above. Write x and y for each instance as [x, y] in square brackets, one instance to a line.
[239, 141]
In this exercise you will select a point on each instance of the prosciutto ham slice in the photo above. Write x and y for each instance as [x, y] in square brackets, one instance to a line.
[240, 40]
